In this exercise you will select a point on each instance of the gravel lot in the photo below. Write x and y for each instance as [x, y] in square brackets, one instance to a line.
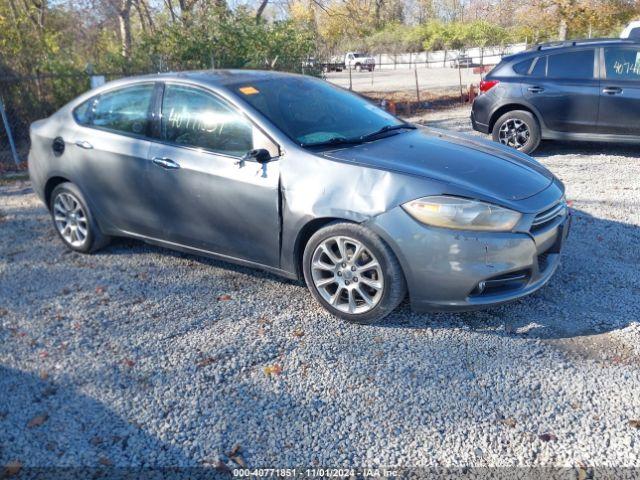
[138, 356]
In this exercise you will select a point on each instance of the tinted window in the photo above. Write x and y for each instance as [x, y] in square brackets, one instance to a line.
[522, 68]
[310, 111]
[635, 33]
[540, 68]
[124, 110]
[195, 118]
[571, 65]
[622, 63]
[83, 112]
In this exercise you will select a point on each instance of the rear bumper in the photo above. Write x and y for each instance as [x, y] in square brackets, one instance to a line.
[454, 270]
[478, 126]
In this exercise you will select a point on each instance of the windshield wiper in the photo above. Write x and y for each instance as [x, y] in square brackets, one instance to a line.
[385, 129]
[333, 141]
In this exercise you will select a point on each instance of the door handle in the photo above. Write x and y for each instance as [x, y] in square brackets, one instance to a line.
[166, 163]
[612, 90]
[536, 89]
[84, 144]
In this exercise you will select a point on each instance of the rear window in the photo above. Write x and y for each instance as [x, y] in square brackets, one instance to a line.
[540, 68]
[522, 68]
[571, 65]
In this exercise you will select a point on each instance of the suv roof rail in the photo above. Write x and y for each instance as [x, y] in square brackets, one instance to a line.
[583, 41]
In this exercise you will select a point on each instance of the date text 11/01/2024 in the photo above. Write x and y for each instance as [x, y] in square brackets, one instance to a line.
[315, 472]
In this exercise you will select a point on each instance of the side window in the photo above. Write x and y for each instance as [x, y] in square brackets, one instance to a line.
[622, 63]
[571, 65]
[124, 110]
[194, 118]
[82, 113]
[522, 68]
[634, 34]
[540, 68]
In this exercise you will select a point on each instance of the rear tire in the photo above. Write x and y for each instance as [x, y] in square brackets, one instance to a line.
[353, 273]
[517, 129]
[73, 220]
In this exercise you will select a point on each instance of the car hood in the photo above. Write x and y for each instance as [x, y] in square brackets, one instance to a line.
[468, 162]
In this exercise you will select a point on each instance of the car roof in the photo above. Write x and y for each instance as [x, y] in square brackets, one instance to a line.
[217, 77]
[569, 45]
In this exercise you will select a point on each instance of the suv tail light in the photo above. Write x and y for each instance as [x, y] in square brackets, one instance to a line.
[486, 85]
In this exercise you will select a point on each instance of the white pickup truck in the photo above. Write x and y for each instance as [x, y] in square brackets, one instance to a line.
[352, 61]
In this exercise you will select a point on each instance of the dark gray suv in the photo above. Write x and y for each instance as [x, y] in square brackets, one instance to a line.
[578, 90]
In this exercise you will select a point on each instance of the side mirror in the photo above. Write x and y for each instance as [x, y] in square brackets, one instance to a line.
[260, 155]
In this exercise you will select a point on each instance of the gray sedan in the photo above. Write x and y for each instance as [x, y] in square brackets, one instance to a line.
[295, 176]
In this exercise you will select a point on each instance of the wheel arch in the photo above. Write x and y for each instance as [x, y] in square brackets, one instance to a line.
[51, 184]
[305, 233]
[510, 107]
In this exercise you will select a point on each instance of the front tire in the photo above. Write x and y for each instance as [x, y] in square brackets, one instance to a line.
[353, 273]
[517, 129]
[74, 221]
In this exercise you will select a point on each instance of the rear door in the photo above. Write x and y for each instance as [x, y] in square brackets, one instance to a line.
[564, 88]
[111, 149]
[619, 112]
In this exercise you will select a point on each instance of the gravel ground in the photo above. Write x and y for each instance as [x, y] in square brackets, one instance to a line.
[138, 356]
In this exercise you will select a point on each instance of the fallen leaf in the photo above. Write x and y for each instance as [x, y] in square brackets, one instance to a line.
[43, 354]
[239, 460]
[235, 450]
[100, 289]
[105, 461]
[634, 423]
[273, 370]
[582, 473]
[547, 437]
[44, 375]
[66, 291]
[298, 333]
[37, 420]
[222, 467]
[12, 468]
[224, 298]
[3, 312]
[95, 441]
[205, 362]
[128, 362]
[509, 422]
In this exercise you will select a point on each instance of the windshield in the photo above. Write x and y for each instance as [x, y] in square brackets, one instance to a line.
[311, 111]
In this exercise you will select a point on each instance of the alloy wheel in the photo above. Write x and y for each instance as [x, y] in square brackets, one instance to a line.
[347, 275]
[70, 219]
[514, 133]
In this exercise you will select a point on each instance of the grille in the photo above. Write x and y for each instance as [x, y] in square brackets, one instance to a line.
[549, 215]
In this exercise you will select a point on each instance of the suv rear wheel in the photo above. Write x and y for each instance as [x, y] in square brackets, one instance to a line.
[517, 129]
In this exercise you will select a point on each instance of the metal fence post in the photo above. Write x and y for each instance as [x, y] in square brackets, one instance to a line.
[7, 128]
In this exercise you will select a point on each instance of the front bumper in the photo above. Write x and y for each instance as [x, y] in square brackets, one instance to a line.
[455, 270]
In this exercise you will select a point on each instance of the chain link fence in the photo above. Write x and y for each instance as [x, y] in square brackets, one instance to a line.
[30, 98]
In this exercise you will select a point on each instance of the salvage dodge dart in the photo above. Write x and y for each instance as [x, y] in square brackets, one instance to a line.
[295, 176]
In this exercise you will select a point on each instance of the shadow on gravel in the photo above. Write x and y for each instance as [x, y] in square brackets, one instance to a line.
[549, 148]
[43, 423]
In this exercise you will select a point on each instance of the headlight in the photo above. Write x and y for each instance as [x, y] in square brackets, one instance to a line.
[462, 214]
